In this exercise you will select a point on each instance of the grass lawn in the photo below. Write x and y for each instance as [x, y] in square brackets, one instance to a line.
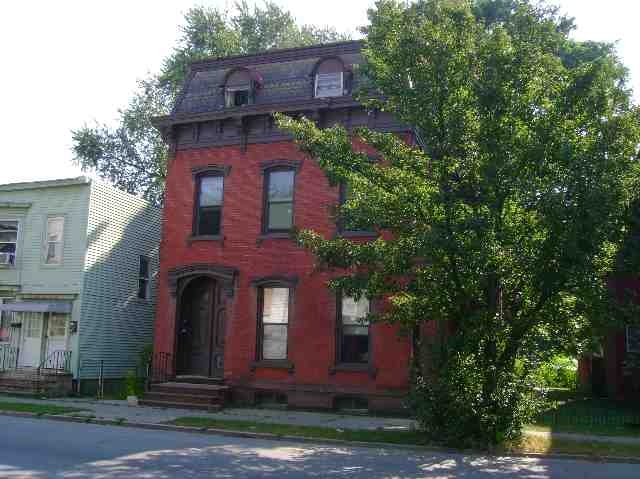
[591, 416]
[36, 408]
[415, 438]
[565, 446]
[395, 437]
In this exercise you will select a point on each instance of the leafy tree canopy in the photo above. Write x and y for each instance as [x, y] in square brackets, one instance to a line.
[504, 226]
[132, 155]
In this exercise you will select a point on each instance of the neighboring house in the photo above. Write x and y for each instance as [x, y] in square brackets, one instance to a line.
[239, 302]
[77, 270]
[614, 371]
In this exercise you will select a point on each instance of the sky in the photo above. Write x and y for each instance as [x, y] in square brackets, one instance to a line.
[74, 62]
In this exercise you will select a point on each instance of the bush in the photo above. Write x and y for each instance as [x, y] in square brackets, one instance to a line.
[453, 406]
[558, 372]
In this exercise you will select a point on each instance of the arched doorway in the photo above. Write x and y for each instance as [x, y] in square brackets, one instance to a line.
[200, 328]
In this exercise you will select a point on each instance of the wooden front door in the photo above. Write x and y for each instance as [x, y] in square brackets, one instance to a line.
[199, 328]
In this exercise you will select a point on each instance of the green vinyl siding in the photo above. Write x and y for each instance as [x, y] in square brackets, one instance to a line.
[30, 271]
[116, 324]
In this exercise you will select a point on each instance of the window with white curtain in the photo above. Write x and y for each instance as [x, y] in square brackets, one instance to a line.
[55, 235]
[274, 323]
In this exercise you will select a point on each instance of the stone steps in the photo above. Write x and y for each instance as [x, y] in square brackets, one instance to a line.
[30, 382]
[204, 393]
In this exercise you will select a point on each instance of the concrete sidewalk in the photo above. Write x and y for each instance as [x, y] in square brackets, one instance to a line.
[112, 410]
[118, 410]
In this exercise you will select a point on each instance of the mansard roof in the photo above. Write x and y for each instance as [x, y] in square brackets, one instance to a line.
[286, 78]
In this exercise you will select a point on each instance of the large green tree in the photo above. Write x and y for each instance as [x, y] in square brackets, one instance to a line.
[503, 225]
[131, 154]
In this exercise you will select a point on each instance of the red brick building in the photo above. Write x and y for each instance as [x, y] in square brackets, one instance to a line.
[614, 371]
[238, 300]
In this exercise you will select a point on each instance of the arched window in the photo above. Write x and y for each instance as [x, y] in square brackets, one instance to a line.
[239, 88]
[329, 78]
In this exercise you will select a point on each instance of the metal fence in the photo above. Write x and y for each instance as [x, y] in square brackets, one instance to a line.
[93, 370]
[593, 413]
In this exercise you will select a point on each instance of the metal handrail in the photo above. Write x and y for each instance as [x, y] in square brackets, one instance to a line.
[59, 360]
[8, 357]
[160, 368]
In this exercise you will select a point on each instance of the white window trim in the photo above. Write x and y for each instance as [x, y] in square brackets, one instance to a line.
[15, 255]
[629, 350]
[230, 90]
[46, 240]
[315, 88]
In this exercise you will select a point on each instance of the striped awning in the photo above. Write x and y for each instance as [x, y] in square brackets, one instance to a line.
[38, 306]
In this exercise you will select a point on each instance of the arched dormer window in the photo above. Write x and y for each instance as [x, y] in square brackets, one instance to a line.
[240, 87]
[329, 78]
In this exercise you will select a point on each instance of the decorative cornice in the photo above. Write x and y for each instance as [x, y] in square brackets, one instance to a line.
[161, 122]
[222, 170]
[274, 281]
[226, 275]
[32, 185]
[280, 163]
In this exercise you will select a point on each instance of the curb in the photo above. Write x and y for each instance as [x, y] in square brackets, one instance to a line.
[305, 439]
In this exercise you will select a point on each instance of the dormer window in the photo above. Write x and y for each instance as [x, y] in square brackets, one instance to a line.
[237, 96]
[239, 88]
[329, 79]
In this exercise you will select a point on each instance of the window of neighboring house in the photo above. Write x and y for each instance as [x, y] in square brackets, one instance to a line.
[209, 206]
[6, 318]
[8, 242]
[633, 339]
[57, 324]
[53, 246]
[273, 322]
[279, 200]
[353, 330]
[143, 278]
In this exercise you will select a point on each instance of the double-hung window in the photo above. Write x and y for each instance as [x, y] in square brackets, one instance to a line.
[633, 339]
[353, 330]
[329, 84]
[273, 322]
[279, 200]
[143, 278]
[8, 242]
[55, 235]
[209, 205]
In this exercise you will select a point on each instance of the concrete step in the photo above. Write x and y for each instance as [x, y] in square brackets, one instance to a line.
[183, 398]
[180, 405]
[191, 389]
[198, 380]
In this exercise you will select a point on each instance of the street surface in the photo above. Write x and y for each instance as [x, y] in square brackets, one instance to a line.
[38, 448]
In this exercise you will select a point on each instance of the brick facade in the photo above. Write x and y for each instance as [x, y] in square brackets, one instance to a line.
[311, 382]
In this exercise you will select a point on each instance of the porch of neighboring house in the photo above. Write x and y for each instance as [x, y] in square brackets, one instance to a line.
[35, 352]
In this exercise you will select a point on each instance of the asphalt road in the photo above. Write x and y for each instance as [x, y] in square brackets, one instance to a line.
[40, 448]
